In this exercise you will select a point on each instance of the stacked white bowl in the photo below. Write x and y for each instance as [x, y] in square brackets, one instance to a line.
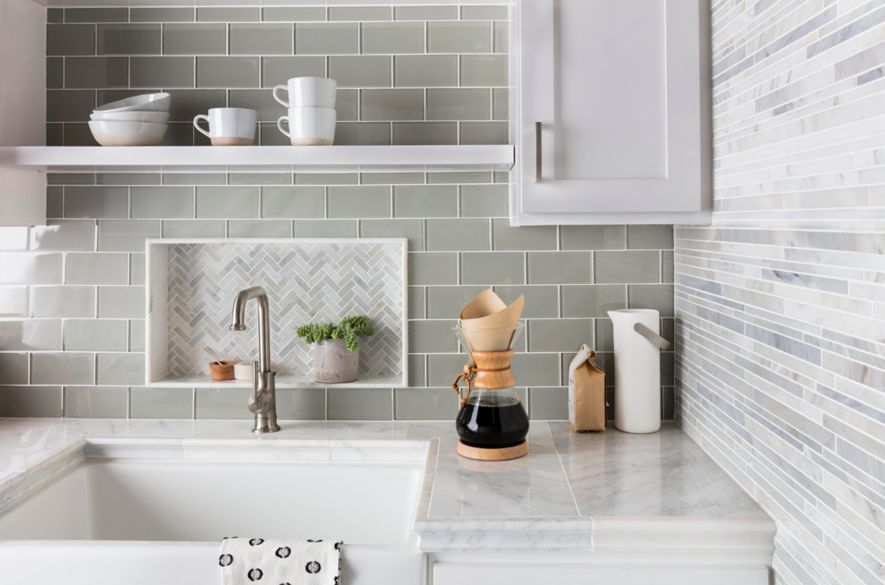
[311, 110]
[136, 121]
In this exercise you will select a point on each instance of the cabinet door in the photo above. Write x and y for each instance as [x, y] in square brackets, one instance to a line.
[613, 111]
[22, 108]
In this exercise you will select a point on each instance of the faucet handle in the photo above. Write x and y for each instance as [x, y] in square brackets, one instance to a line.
[261, 397]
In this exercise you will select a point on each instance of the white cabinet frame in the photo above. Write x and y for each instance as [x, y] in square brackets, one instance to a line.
[682, 193]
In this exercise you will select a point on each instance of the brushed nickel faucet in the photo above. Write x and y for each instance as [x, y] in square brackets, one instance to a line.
[263, 402]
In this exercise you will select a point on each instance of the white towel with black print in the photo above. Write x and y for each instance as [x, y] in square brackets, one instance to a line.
[255, 561]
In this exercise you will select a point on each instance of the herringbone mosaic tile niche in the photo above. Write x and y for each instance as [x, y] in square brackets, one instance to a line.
[306, 280]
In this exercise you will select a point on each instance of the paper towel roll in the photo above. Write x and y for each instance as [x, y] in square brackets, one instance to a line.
[637, 372]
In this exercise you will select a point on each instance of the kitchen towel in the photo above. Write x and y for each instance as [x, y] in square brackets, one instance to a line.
[256, 561]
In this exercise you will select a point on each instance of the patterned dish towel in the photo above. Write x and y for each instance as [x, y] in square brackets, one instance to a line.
[255, 561]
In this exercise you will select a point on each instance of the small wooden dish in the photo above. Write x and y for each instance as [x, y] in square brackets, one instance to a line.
[220, 371]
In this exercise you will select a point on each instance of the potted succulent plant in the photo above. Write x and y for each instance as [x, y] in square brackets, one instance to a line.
[336, 358]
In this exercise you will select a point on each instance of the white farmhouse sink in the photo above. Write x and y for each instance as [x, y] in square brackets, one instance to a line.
[144, 513]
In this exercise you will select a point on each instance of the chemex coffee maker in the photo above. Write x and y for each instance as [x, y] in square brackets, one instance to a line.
[492, 424]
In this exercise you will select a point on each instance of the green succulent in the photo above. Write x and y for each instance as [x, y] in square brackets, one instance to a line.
[349, 329]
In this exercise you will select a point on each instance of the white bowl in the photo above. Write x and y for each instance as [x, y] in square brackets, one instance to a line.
[149, 102]
[109, 133]
[243, 371]
[154, 117]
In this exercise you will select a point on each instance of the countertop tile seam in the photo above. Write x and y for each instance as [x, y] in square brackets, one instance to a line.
[565, 474]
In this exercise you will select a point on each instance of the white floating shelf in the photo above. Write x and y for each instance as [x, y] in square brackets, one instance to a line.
[166, 3]
[281, 382]
[282, 158]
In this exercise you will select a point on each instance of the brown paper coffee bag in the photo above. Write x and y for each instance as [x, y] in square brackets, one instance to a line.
[586, 392]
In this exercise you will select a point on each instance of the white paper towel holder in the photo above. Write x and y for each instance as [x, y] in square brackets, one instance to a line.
[637, 369]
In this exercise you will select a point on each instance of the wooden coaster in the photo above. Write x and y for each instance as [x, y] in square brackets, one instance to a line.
[502, 454]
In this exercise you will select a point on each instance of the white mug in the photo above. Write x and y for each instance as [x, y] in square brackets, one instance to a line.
[309, 126]
[229, 126]
[307, 92]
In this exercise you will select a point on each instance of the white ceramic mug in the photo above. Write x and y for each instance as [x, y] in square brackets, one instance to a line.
[229, 126]
[307, 92]
[309, 126]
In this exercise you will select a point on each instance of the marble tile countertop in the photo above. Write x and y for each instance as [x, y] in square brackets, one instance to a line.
[599, 491]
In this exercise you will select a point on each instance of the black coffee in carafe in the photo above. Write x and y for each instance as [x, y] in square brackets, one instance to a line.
[490, 421]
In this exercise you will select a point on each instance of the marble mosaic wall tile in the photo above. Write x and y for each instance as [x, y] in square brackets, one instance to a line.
[780, 305]
[307, 282]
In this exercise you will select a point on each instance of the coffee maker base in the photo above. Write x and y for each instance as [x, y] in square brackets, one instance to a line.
[502, 454]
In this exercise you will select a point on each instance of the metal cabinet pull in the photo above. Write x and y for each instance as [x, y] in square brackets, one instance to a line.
[539, 156]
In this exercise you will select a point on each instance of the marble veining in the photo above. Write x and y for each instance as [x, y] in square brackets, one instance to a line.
[557, 498]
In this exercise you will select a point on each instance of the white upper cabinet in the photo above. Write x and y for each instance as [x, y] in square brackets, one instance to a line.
[611, 112]
[22, 108]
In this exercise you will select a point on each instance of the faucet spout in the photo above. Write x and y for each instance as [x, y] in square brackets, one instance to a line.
[238, 321]
[263, 402]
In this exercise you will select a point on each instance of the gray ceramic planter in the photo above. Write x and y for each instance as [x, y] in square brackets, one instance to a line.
[333, 364]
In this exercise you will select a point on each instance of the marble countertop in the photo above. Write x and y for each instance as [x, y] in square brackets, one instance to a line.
[599, 491]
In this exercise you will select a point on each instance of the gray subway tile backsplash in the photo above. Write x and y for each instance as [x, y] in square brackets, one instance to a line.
[31, 401]
[484, 70]
[360, 70]
[228, 13]
[392, 37]
[293, 13]
[14, 368]
[96, 72]
[360, 403]
[360, 13]
[161, 14]
[63, 368]
[421, 12]
[560, 267]
[99, 202]
[425, 133]
[326, 38]
[194, 38]
[458, 234]
[111, 14]
[459, 37]
[458, 104]
[293, 202]
[96, 268]
[628, 266]
[95, 335]
[425, 201]
[165, 72]
[72, 293]
[492, 268]
[92, 402]
[62, 301]
[228, 72]
[359, 201]
[129, 39]
[392, 104]
[162, 202]
[425, 70]
[70, 39]
[260, 39]
[411, 229]
[227, 202]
